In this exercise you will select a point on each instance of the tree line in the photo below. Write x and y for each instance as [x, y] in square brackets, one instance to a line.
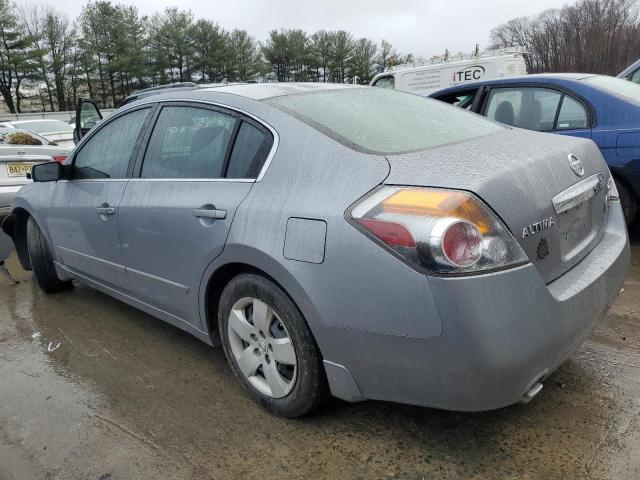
[48, 60]
[591, 36]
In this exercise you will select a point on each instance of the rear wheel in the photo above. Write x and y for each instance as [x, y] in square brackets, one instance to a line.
[628, 201]
[42, 261]
[269, 346]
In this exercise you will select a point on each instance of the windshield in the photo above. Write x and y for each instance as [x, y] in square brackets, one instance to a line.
[377, 120]
[616, 86]
[45, 126]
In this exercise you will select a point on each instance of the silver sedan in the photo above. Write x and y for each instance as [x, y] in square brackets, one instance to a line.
[359, 241]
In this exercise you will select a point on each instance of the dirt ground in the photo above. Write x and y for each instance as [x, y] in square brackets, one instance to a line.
[93, 389]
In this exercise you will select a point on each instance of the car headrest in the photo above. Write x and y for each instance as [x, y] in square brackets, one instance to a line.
[203, 138]
[504, 113]
[531, 121]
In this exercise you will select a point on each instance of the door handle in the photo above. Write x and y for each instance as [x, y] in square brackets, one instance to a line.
[212, 213]
[106, 210]
[21, 152]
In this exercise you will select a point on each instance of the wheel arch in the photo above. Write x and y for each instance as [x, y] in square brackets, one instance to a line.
[237, 259]
[620, 176]
[632, 189]
[240, 259]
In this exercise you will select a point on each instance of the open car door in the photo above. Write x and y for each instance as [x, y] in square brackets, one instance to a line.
[87, 116]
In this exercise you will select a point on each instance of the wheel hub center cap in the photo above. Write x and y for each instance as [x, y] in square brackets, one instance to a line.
[263, 346]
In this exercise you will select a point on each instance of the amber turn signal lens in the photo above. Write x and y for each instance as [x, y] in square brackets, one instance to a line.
[438, 203]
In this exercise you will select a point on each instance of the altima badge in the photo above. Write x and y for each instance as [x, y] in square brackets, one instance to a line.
[576, 165]
[538, 227]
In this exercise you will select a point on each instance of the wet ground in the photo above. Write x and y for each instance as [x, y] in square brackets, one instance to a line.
[93, 389]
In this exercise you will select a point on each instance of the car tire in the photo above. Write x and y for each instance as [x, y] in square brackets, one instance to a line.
[42, 261]
[288, 380]
[628, 202]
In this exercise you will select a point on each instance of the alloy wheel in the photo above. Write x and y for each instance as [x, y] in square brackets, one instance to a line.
[262, 347]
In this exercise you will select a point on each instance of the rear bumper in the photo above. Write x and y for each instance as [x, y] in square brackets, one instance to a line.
[502, 333]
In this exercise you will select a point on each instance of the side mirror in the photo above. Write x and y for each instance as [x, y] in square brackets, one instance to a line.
[47, 172]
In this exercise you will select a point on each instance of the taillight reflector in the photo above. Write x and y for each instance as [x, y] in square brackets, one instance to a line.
[390, 233]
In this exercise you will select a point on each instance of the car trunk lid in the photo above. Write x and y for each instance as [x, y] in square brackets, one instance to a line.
[532, 181]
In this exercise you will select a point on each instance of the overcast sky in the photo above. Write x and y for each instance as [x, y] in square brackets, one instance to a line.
[423, 27]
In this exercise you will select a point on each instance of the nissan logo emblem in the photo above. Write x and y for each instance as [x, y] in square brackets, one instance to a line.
[576, 165]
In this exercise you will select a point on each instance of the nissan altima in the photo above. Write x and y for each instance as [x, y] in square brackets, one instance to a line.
[335, 239]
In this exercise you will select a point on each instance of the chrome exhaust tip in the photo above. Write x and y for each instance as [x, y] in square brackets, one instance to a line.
[532, 392]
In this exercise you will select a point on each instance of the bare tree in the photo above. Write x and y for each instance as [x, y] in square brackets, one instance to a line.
[598, 36]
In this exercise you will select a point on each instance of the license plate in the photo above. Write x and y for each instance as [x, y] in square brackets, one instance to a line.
[19, 169]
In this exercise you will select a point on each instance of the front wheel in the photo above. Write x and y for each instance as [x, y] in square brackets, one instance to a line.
[42, 261]
[269, 346]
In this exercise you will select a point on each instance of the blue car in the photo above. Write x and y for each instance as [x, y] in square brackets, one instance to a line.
[604, 109]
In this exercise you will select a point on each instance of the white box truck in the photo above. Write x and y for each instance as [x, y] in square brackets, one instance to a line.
[428, 77]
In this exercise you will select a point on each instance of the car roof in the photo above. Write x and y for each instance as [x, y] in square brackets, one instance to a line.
[262, 91]
[170, 87]
[532, 78]
[252, 91]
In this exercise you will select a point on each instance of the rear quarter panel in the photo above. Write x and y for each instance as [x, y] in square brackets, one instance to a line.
[357, 285]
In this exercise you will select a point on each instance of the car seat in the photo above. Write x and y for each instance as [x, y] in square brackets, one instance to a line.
[504, 113]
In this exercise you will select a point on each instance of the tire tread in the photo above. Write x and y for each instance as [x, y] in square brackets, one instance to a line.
[42, 261]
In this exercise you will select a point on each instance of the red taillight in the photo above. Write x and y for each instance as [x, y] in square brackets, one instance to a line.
[462, 244]
[441, 230]
[59, 158]
[390, 233]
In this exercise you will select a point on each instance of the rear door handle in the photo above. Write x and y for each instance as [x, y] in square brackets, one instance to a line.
[213, 213]
[105, 210]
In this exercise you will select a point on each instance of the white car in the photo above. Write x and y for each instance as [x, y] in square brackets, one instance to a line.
[425, 78]
[53, 130]
[19, 151]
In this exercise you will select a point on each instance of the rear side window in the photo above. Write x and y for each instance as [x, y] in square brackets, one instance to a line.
[525, 107]
[383, 121]
[107, 153]
[572, 115]
[11, 136]
[188, 142]
[250, 151]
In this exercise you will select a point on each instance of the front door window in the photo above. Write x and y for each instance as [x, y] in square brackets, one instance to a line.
[107, 153]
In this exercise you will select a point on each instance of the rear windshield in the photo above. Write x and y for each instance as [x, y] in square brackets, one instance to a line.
[377, 120]
[616, 86]
[12, 136]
